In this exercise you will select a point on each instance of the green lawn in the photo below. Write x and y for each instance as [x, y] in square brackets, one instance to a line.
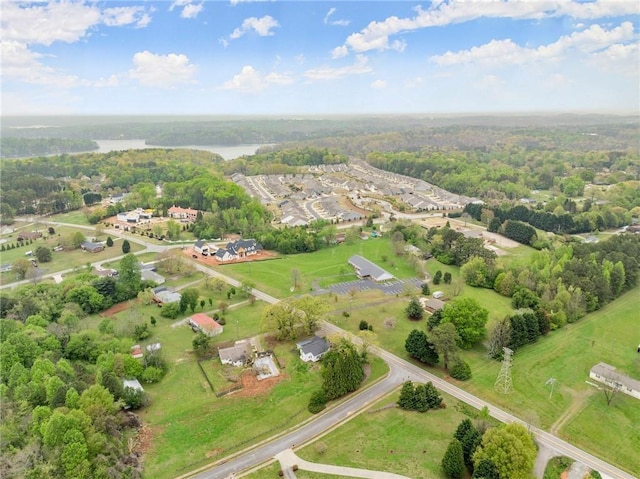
[391, 440]
[76, 217]
[327, 266]
[192, 427]
[609, 335]
[61, 260]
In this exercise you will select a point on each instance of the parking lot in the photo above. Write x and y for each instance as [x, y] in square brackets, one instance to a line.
[389, 287]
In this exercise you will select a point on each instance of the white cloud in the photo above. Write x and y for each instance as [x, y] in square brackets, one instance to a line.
[506, 52]
[339, 52]
[162, 71]
[45, 24]
[236, 2]
[338, 23]
[249, 80]
[190, 8]
[262, 26]
[375, 36]
[359, 67]
[379, 84]
[119, 16]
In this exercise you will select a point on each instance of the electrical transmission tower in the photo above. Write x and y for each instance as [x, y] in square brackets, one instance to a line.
[503, 383]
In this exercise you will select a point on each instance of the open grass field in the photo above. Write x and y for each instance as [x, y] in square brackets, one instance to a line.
[576, 411]
[192, 427]
[327, 266]
[76, 217]
[62, 260]
[391, 440]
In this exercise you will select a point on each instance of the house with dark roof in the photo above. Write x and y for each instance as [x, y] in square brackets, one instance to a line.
[237, 355]
[92, 247]
[238, 249]
[365, 269]
[162, 295]
[312, 349]
[202, 247]
[203, 323]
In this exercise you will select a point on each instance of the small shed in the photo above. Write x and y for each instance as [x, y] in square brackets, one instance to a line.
[133, 384]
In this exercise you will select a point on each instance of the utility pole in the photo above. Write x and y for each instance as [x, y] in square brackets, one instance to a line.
[503, 383]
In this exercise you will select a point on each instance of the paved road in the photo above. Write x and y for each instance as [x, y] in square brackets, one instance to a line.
[320, 424]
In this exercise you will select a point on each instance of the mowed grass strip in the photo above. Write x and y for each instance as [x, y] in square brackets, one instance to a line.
[390, 440]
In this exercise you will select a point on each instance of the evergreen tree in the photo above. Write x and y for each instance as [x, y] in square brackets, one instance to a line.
[434, 400]
[453, 461]
[126, 247]
[485, 469]
[407, 396]
[414, 310]
[470, 443]
[463, 428]
[109, 242]
[419, 347]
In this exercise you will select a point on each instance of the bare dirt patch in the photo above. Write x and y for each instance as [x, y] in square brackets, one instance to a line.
[143, 440]
[211, 261]
[115, 309]
[252, 387]
[214, 452]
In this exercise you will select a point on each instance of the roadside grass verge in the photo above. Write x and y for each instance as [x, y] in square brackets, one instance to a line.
[390, 440]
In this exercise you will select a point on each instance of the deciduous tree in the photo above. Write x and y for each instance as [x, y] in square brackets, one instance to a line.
[510, 448]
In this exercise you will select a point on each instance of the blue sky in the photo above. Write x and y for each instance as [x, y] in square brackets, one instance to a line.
[322, 57]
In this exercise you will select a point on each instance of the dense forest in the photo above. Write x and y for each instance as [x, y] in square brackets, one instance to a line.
[61, 391]
[12, 147]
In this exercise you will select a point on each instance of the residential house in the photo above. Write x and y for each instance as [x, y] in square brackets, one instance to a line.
[365, 269]
[238, 249]
[119, 198]
[312, 349]
[203, 323]
[202, 247]
[183, 214]
[432, 305]
[92, 247]
[162, 295]
[237, 355]
[607, 374]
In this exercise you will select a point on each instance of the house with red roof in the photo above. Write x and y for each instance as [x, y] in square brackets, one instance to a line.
[203, 323]
[184, 214]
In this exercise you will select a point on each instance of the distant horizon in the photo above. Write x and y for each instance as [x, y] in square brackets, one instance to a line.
[244, 58]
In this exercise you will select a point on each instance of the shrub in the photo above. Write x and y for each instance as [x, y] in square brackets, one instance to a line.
[317, 402]
[461, 370]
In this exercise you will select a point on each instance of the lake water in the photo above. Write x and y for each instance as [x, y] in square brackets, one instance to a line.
[227, 152]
